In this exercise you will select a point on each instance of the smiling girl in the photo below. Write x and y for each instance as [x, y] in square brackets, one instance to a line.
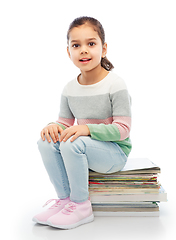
[98, 99]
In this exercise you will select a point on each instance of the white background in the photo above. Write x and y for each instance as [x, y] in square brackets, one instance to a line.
[34, 68]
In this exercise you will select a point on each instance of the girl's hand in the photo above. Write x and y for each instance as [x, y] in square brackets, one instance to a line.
[52, 131]
[79, 130]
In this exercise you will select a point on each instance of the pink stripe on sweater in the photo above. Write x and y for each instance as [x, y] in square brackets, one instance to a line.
[94, 121]
[67, 122]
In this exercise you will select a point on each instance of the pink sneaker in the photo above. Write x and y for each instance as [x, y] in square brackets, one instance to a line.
[58, 206]
[73, 215]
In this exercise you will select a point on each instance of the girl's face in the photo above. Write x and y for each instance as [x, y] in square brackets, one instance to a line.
[85, 48]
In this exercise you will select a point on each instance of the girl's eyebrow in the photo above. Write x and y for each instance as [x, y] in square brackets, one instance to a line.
[88, 39]
[74, 41]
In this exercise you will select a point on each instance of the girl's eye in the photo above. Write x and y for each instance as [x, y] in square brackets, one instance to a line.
[91, 44]
[75, 45]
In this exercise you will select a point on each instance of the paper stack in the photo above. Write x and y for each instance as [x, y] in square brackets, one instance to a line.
[134, 191]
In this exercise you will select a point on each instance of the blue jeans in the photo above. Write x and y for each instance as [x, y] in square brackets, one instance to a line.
[68, 163]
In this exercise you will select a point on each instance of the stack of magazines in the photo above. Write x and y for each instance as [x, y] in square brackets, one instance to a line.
[134, 191]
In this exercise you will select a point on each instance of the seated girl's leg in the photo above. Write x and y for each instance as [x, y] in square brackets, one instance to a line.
[104, 157]
[76, 166]
[85, 153]
[55, 168]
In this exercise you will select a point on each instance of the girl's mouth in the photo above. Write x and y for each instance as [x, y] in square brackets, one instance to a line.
[85, 60]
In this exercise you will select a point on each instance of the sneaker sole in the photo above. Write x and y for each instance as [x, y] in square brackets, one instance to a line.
[40, 222]
[83, 221]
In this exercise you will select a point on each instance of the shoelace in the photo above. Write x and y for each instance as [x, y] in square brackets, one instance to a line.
[55, 205]
[69, 208]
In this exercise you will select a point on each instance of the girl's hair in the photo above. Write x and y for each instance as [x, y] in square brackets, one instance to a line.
[105, 63]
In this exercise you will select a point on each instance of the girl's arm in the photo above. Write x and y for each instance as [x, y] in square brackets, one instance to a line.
[66, 118]
[119, 130]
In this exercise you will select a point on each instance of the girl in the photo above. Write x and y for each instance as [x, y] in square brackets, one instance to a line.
[99, 100]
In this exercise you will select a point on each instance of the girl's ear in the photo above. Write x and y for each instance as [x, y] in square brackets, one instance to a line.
[104, 52]
[68, 52]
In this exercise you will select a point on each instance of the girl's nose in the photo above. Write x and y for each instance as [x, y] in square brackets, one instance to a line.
[84, 50]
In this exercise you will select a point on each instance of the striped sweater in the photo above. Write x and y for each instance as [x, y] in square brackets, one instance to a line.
[104, 107]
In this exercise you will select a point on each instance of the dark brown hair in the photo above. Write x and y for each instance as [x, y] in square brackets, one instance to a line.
[105, 63]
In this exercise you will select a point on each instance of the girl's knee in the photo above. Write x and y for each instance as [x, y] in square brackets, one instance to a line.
[76, 146]
[65, 146]
[40, 143]
[45, 145]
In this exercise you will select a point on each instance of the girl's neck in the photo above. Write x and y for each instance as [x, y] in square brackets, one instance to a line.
[92, 77]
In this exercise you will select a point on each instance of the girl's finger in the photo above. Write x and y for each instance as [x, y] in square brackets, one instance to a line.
[56, 133]
[53, 136]
[65, 135]
[71, 133]
[47, 135]
[60, 130]
[42, 135]
[74, 137]
[62, 135]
